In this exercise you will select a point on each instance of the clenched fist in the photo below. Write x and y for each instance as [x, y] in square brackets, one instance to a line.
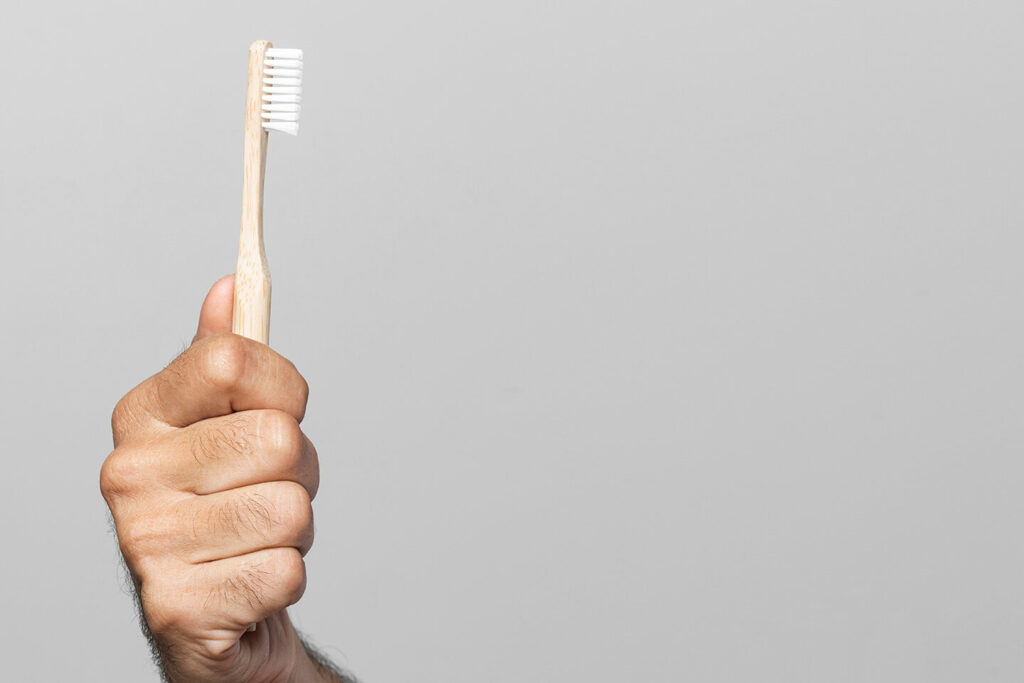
[210, 484]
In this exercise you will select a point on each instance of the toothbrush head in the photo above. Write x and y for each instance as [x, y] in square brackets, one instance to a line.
[282, 89]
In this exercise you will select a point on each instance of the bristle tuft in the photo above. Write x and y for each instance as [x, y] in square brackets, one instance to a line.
[282, 89]
[283, 53]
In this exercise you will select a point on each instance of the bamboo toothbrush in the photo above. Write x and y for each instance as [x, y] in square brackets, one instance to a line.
[272, 102]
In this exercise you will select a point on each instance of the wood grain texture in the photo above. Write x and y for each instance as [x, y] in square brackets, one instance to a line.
[251, 313]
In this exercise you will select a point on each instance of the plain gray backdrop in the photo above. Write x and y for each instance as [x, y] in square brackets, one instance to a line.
[649, 341]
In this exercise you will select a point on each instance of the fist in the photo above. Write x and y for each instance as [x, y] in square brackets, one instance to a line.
[210, 484]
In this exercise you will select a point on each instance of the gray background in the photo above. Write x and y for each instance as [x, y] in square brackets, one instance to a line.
[647, 341]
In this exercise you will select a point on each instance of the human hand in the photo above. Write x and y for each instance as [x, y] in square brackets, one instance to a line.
[210, 484]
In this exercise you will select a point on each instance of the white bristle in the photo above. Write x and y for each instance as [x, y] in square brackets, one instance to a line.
[280, 107]
[283, 53]
[292, 99]
[282, 89]
[290, 128]
[280, 116]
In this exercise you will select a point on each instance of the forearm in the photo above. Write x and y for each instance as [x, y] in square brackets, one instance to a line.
[309, 665]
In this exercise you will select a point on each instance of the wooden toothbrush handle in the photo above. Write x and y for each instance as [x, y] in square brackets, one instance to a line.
[251, 313]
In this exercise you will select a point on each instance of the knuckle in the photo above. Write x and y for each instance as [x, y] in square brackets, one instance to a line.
[290, 570]
[303, 389]
[162, 611]
[293, 512]
[224, 361]
[120, 413]
[124, 416]
[293, 499]
[143, 568]
[300, 387]
[117, 475]
[283, 436]
[139, 539]
[112, 479]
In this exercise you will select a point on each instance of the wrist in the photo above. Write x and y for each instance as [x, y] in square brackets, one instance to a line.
[308, 669]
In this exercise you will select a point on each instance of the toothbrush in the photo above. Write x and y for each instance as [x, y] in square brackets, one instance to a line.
[272, 102]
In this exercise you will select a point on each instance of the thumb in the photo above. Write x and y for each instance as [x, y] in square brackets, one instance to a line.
[215, 315]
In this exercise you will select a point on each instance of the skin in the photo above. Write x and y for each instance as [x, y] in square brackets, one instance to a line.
[210, 485]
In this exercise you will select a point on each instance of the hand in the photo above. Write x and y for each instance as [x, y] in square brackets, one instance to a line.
[210, 485]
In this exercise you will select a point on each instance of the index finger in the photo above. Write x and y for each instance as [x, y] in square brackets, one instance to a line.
[216, 376]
